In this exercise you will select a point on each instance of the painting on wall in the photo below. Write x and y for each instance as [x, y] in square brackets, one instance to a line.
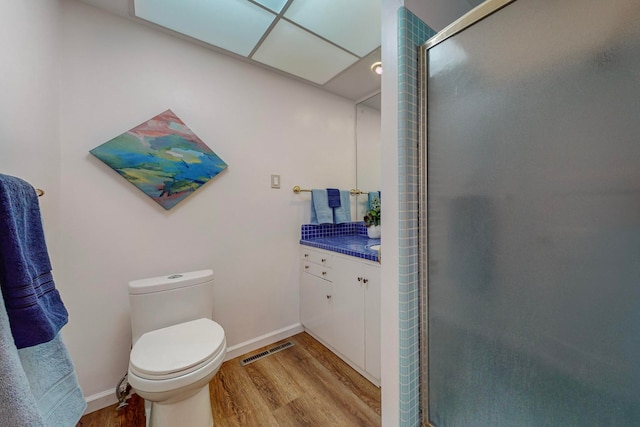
[163, 158]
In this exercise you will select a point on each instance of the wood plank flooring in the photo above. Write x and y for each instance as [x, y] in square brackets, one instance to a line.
[304, 385]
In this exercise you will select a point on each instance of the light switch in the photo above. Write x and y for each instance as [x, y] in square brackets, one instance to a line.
[275, 181]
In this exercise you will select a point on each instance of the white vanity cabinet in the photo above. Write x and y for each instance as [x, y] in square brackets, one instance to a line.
[372, 320]
[316, 292]
[342, 307]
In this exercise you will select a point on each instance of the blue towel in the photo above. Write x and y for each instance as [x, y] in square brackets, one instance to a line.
[321, 213]
[36, 312]
[18, 406]
[53, 383]
[343, 213]
[333, 197]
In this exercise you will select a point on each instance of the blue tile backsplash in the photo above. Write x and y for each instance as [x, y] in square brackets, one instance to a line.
[348, 239]
[311, 231]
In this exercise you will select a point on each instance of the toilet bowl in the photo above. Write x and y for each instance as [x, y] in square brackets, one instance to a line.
[176, 348]
[171, 368]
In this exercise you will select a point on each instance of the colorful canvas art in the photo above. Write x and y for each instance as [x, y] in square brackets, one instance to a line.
[163, 158]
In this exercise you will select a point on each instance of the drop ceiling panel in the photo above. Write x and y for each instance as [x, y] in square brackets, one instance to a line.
[234, 25]
[353, 24]
[275, 5]
[358, 81]
[296, 51]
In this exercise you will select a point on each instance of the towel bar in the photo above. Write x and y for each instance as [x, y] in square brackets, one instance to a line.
[353, 191]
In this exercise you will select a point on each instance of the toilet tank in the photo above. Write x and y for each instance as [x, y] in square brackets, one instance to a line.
[163, 301]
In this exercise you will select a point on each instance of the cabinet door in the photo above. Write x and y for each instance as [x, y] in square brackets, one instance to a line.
[372, 320]
[315, 306]
[348, 309]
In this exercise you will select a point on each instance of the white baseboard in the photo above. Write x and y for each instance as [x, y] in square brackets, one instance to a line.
[107, 398]
[263, 340]
[100, 400]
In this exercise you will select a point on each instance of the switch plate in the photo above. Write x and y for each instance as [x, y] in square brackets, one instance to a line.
[275, 181]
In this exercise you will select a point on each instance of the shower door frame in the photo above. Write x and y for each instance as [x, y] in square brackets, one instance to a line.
[475, 15]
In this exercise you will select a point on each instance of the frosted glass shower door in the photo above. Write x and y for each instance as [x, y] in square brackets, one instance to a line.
[533, 200]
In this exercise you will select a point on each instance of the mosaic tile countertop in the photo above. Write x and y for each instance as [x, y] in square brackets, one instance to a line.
[348, 239]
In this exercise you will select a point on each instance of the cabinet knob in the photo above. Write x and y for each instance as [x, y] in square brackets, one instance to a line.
[365, 281]
[324, 273]
[359, 279]
[306, 255]
[328, 296]
[306, 267]
[324, 260]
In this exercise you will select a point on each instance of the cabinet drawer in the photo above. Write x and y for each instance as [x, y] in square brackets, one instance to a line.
[317, 257]
[320, 271]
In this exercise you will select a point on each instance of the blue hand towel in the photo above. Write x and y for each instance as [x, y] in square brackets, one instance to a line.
[333, 197]
[343, 213]
[373, 195]
[36, 312]
[321, 213]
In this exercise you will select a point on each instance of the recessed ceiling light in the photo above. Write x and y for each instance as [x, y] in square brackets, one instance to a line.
[376, 67]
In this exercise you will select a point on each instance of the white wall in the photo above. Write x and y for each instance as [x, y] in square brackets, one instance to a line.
[29, 144]
[116, 74]
[390, 219]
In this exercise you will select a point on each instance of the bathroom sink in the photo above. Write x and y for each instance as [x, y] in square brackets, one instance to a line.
[374, 247]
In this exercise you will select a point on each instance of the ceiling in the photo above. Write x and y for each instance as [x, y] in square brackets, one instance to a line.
[329, 44]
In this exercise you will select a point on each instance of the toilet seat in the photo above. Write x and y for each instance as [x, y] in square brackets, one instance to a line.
[176, 350]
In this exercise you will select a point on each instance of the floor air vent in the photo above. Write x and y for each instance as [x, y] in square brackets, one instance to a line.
[279, 347]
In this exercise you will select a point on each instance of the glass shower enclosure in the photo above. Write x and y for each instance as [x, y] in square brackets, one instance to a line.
[531, 232]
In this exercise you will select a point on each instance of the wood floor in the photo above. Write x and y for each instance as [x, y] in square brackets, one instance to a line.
[304, 385]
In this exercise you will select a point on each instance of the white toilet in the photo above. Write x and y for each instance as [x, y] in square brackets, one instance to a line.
[177, 348]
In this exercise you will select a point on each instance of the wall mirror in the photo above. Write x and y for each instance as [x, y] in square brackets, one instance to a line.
[368, 160]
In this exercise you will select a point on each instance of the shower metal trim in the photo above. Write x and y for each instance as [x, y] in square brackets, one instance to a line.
[480, 12]
[423, 243]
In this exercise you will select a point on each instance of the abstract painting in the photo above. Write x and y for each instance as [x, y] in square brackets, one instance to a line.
[163, 158]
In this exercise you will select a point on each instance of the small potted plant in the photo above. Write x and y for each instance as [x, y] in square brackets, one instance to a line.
[372, 219]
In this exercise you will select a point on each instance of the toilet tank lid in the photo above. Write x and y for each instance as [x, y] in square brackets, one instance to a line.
[172, 281]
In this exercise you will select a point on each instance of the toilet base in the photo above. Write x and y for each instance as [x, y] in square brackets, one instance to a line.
[194, 411]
